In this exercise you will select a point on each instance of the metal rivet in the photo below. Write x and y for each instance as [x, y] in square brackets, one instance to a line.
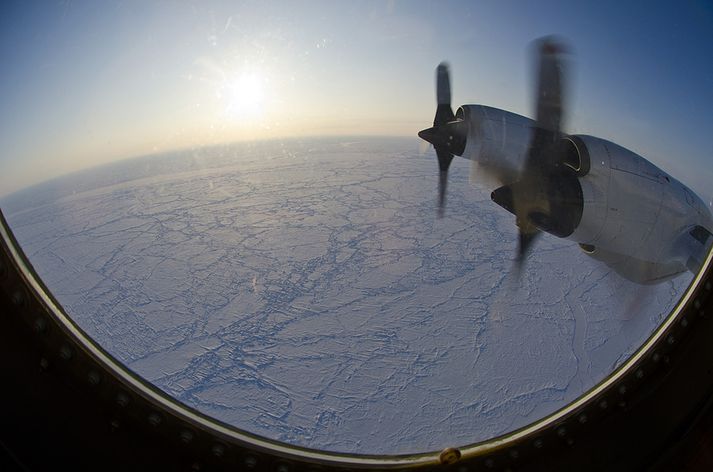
[670, 339]
[639, 373]
[603, 404]
[65, 353]
[684, 322]
[17, 298]
[449, 455]
[218, 450]
[40, 325]
[582, 418]
[538, 443]
[114, 425]
[489, 463]
[186, 436]
[93, 378]
[122, 399]
[570, 442]
[622, 403]
[708, 285]
[154, 419]
[656, 357]
[44, 364]
[561, 431]
[514, 454]
[622, 390]
[697, 303]
[282, 468]
[250, 462]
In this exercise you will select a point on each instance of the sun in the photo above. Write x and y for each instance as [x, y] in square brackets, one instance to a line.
[244, 97]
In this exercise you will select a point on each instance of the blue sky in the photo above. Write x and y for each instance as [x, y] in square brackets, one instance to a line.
[85, 83]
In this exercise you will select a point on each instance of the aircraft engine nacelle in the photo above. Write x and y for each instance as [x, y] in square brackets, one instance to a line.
[630, 206]
[620, 208]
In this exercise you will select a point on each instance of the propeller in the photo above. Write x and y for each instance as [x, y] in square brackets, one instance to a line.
[533, 194]
[546, 194]
[447, 135]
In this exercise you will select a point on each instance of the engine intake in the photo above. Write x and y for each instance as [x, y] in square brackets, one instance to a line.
[575, 155]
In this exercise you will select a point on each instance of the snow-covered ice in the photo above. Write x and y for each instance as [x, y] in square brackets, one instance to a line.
[305, 291]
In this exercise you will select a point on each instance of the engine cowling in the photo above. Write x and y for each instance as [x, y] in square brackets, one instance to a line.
[630, 206]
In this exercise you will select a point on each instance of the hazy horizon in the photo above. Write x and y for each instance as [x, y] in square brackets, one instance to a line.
[93, 166]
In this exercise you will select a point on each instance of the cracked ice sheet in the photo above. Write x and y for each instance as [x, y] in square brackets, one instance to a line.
[305, 291]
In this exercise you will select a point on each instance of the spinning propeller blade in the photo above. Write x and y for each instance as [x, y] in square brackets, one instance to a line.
[447, 134]
[531, 193]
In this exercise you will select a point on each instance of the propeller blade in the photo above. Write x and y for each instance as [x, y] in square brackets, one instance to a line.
[448, 135]
[444, 112]
[444, 162]
[526, 238]
[443, 84]
[549, 97]
[442, 184]
[530, 199]
[444, 158]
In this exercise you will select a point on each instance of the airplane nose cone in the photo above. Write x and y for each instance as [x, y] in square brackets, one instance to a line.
[428, 134]
[450, 136]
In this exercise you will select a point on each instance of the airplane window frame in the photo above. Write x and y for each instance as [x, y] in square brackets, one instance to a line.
[32, 309]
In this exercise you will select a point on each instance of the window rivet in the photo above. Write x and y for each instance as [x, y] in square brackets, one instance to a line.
[450, 455]
[218, 450]
[154, 419]
[93, 378]
[17, 298]
[122, 399]
[603, 404]
[250, 462]
[44, 364]
[186, 436]
[582, 418]
[40, 325]
[538, 443]
[65, 353]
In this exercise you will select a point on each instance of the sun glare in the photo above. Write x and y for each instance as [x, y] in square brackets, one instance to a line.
[245, 97]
